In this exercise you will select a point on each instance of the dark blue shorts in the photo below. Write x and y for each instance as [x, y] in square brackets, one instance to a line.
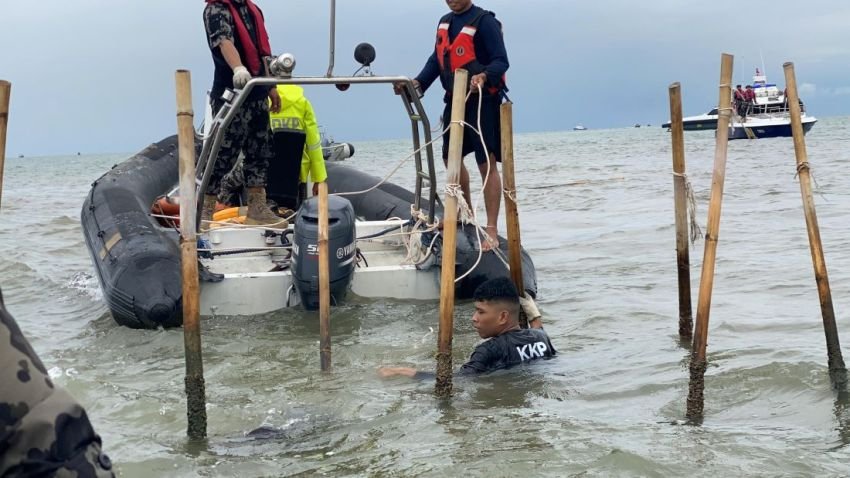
[490, 128]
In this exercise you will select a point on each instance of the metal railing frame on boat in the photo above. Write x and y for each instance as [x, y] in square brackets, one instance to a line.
[412, 104]
[769, 109]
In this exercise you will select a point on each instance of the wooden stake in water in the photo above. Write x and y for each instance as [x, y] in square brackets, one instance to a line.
[195, 387]
[511, 209]
[698, 364]
[443, 387]
[680, 199]
[837, 371]
[5, 94]
[324, 281]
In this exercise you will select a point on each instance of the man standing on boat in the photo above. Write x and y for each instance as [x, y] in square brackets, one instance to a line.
[239, 43]
[740, 103]
[750, 99]
[496, 318]
[470, 37]
[295, 119]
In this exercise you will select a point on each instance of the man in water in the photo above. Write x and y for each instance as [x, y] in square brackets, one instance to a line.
[496, 318]
[43, 430]
[470, 37]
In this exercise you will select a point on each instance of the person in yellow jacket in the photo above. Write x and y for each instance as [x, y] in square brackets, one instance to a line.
[296, 116]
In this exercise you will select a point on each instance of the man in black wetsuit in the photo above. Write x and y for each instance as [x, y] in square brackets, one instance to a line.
[496, 318]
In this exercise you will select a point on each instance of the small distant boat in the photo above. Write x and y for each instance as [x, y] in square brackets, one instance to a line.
[637, 125]
[579, 127]
[20, 155]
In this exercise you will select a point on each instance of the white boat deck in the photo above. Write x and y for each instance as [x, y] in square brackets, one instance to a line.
[252, 285]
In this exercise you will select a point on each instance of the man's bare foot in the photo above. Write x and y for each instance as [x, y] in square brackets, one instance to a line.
[490, 240]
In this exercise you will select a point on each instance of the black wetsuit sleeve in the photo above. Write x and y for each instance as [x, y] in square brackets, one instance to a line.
[489, 37]
[481, 360]
[429, 73]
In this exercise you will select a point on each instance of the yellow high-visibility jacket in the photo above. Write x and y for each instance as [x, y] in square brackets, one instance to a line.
[296, 114]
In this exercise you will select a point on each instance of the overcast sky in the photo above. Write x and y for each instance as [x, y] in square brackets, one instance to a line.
[98, 75]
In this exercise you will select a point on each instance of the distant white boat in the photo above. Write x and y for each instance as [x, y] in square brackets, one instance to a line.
[579, 127]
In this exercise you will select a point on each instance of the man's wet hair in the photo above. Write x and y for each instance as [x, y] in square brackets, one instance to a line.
[501, 289]
[737, 86]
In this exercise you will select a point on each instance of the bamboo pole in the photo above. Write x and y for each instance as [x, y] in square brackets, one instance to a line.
[837, 371]
[698, 364]
[195, 389]
[5, 94]
[324, 281]
[443, 386]
[511, 210]
[680, 199]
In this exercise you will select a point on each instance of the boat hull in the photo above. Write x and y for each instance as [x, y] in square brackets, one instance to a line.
[137, 261]
[702, 123]
[768, 130]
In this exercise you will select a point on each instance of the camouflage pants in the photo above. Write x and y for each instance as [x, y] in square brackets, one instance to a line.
[43, 430]
[230, 191]
[249, 133]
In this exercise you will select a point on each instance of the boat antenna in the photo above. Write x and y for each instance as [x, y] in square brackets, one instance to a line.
[332, 47]
[763, 72]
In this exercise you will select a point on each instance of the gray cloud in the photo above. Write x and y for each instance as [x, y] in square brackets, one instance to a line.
[97, 75]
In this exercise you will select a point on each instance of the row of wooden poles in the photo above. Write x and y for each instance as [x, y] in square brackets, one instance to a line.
[195, 385]
[837, 371]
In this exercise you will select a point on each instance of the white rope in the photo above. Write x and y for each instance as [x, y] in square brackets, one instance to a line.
[443, 131]
[422, 218]
[428, 250]
[472, 220]
[395, 170]
[510, 194]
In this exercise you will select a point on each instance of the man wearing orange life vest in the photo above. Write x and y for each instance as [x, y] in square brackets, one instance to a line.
[470, 37]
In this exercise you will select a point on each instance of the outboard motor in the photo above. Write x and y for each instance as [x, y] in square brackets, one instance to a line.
[337, 151]
[341, 250]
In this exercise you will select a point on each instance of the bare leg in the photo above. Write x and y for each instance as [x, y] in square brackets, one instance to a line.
[492, 201]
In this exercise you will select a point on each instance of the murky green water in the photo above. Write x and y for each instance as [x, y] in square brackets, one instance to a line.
[610, 405]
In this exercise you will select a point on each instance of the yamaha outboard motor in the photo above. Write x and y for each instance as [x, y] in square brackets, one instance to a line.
[341, 250]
